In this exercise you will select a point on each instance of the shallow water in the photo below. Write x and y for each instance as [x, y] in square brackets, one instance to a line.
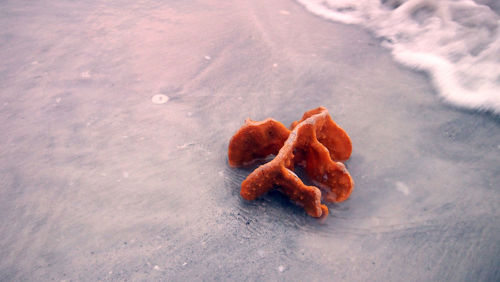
[457, 42]
[100, 181]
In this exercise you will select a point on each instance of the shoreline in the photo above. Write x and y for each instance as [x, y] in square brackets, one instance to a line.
[456, 71]
[101, 183]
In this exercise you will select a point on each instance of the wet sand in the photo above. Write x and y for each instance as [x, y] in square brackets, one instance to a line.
[98, 182]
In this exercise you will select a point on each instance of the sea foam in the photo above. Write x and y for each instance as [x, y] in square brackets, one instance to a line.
[456, 42]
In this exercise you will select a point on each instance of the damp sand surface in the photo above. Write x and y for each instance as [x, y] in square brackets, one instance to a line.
[115, 121]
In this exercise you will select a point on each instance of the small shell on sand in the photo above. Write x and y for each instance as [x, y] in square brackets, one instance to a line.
[159, 99]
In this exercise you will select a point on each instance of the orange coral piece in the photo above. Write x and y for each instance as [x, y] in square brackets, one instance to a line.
[256, 140]
[314, 142]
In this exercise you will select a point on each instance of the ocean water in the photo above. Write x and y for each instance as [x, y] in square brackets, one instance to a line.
[456, 42]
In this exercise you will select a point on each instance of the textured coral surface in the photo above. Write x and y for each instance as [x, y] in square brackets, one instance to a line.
[315, 142]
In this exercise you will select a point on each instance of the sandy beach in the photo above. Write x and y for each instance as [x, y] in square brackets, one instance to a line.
[98, 182]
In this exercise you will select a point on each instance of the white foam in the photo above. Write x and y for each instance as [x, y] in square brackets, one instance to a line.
[456, 42]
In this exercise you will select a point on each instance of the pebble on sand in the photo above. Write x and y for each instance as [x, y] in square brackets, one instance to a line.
[159, 99]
